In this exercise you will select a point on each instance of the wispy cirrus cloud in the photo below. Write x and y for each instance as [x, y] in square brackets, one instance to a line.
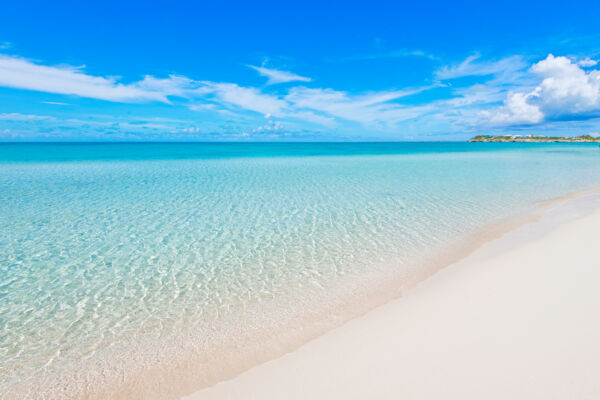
[399, 53]
[586, 62]
[275, 76]
[473, 66]
[19, 73]
[56, 103]
[252, 99]
[370, 108]
[323, 106]
[248, 98]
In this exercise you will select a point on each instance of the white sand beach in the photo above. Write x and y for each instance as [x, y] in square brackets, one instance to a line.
[517, 319]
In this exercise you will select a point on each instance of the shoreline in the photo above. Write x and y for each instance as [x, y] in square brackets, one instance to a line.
[163, 371]
[345, 350]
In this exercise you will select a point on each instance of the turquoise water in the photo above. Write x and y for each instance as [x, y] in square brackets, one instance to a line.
[108, 244]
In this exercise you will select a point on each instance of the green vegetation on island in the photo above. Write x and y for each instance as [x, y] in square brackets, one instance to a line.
[535, 139]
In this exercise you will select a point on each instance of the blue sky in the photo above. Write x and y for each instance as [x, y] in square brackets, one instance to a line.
[297, 71]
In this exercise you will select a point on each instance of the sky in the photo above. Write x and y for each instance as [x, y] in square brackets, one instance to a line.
[297, 71]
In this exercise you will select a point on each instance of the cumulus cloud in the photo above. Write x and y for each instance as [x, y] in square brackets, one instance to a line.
[565, 92]
[275, 76]
[566, 88]
[516, 111]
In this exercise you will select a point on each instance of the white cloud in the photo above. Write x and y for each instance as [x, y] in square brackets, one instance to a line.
[252, 99]
[471, 67]
[115, 126]
[56, 103]
[515, 111]
[310, 116]
[270, 127]
[566, 88]
[373, 108]
[246, 97]
[320, 106]
[24, 117]
[477, 94]
[497, 80]
[19, 73]
[174, 85]
[400, 53]
[565, 92]
[212, 108]
[587, 62]
[192, 129]
[553, 89]
[275, 76]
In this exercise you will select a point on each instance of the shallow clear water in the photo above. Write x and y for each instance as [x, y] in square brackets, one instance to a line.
[102, 243]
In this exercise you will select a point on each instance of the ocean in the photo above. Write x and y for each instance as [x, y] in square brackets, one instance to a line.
[154, 262]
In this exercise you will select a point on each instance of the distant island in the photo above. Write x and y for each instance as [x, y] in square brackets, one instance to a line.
[535, 139]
